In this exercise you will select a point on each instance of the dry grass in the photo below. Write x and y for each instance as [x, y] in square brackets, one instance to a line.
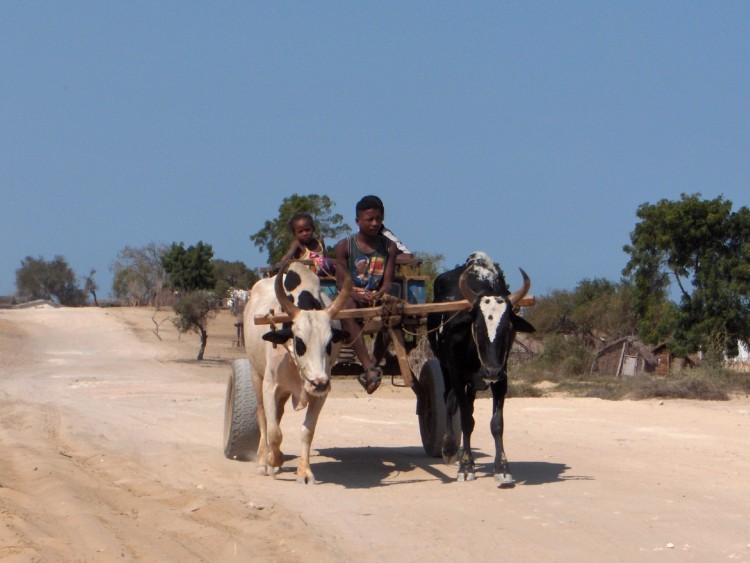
[704, 384]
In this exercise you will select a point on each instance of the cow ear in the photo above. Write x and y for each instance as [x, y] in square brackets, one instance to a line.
[339, 335]
[278, 336]
[521, 324]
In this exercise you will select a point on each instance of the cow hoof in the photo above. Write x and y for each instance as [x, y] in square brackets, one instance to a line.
[264, 469]
[450, 453]
[272, 471]
[466, 476]
[306, 480]
[505, 481]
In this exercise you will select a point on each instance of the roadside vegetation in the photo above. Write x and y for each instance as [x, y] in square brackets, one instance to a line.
[694, 248]
[701, 383]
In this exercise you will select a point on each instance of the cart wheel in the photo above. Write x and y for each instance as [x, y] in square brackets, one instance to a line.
[241, 432]
[432, 411]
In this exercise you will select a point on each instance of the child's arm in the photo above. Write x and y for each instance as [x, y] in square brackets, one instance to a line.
[294, 249]
[342, 262]
[390, 269]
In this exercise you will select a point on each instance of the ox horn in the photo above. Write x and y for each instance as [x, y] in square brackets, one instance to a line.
[463, 285]
[519, 294]
[287, 305]
[342, 297]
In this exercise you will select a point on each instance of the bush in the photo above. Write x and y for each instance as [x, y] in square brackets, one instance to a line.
[690, 387]
[704, 384]
[566, 356]
[38, 278]
[523, 389]
[193, 312]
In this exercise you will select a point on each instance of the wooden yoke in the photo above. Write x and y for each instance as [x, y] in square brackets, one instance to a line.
[390, 315]
[402, 309]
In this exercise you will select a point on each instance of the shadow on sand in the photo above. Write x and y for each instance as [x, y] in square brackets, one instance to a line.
[366, 467]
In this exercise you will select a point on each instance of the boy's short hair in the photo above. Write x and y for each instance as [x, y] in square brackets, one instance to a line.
[370, 202]
[296, 217]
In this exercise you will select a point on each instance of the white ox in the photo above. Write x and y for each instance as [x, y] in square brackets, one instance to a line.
[292, 361]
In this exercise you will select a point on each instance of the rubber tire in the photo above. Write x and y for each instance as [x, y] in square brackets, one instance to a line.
[432, 412]
[241, 431]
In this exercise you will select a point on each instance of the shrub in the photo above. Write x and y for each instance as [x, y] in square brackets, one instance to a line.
[523, 389]
[567, 356]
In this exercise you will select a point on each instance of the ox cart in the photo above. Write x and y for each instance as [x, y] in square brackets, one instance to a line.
[397, 320]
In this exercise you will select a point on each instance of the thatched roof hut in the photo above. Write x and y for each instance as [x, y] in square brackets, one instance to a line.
[667, 361]
[624, 357]
[524, 349]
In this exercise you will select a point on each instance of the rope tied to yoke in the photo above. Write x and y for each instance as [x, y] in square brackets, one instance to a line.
[397, 304]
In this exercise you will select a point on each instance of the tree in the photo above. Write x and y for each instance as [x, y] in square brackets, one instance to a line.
[573, 324]
[431, 264]
[275, 236]
[139, 275]
[595, 309]
[194, 309]
[704, 249]
[189, 269]
[90, 286]
[40, 279]
[232, 275]
[603, 309]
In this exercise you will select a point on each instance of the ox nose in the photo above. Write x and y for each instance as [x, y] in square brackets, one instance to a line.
[321, 385]
[493, 372]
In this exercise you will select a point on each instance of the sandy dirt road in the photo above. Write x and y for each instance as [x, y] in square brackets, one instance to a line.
[110, 449]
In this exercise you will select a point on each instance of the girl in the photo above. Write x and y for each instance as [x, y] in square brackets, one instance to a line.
[305, 246]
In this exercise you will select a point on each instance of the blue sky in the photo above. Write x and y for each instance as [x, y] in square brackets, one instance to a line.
[529, 130]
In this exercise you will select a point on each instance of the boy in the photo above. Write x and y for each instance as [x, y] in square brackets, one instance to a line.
[370, 259]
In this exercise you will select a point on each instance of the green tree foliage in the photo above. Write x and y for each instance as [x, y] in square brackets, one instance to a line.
[194, 309]
[597, 309]
[232, 275]
[573, 324]
[189, 268]
[275, 236]
[431, 264]
[138, 274]
[704, 249]
[191, 271]
[566, 355]
[54, 280]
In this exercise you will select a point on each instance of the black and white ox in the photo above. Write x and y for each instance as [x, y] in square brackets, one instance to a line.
[292, 361]
[472, 347]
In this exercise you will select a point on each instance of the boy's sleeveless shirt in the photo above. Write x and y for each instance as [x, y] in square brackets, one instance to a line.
[367, 269]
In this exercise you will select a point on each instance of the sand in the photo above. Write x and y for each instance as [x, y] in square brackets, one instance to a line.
[111, 449]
